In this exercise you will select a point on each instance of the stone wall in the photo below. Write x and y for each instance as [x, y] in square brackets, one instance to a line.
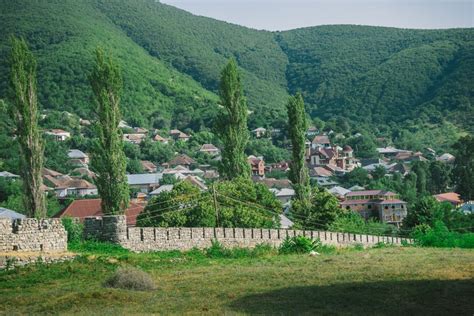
[114, 229]
[30, 235]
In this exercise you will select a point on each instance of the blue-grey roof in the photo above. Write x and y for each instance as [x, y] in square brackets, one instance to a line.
[6, 213]
[76, 154]
[163, 188]
[144, 178]
[285, 222]
[6, 174]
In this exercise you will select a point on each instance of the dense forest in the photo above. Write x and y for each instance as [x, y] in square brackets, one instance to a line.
[414, 87]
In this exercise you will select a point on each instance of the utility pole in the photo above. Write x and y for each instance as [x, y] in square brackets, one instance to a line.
[216, 209]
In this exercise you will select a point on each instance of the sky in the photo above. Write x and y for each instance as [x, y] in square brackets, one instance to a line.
[289, 14]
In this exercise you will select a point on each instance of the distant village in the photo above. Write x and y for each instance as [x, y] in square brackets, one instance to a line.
[327, 163]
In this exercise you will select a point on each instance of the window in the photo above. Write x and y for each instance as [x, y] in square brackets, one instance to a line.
[386, 207]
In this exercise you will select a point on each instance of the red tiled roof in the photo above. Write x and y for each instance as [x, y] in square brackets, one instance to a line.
[448, 197]
[321, 172]
[321, 139]
[148, 165]
[91, 207]
[208, 147]
[181, 160]
[50, 172]
[370, 192]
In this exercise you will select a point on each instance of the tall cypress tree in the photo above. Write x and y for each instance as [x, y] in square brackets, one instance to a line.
[297, 126]
[232, 124]
[24, 112]
[108, 158]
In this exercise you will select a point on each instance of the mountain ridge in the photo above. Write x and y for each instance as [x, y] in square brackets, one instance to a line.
[364, 75]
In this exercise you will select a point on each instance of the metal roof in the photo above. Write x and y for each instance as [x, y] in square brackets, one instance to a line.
[144, 178]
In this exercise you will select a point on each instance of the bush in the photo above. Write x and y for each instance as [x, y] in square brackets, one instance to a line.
[356, 224]
[97, 247]
[440, 236]
[131, 279]
[217, 250]
[299, 244]
[73, 228]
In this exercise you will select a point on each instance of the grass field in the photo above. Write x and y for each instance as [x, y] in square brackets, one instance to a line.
[374, 281]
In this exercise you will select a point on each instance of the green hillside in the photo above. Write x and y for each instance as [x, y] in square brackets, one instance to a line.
[63, 36]
[379, 79]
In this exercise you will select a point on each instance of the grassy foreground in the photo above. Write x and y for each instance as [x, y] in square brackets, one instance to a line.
[374, 281]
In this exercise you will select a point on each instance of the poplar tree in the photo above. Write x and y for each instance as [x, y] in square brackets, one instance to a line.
[108, 158]
[232, 124]
[297, 126]
[24, 112]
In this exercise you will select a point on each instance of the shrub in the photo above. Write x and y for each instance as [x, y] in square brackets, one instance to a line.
[440, 236]
[130, 279]
[73, 228]
[382, 244]
[299, 244]
[217, 250]
[96, 247]
[354, 223]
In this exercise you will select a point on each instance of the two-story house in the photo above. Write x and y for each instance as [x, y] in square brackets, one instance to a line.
[384, 205]
[257, 166]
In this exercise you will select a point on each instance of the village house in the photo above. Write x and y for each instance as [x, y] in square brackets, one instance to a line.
[160, 139]
[259, 132]
[390, 152]
[177, 135]
[257, 166]
[273, 183]
[451, 197]
[312, 131]
[161, 189]
[134, 138]
[408, 157]
[284, 195]
[339, 192]
[84, 122]
[59, 135]
[148, 166]
[140, 130]
[83, 208]
[77, 157]
[66, 186]
[8, 175]
[282, 166]
[74, 187]
[179, 169]
[210, 174]
[321, 141]
[446, 158]
[181, 160]
[196, 181]
[209, 149]
[336, 159]
[144, 182]
[84, 172]
[384, 205]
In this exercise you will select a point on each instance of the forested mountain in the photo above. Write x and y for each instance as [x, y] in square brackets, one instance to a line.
[382, 80]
